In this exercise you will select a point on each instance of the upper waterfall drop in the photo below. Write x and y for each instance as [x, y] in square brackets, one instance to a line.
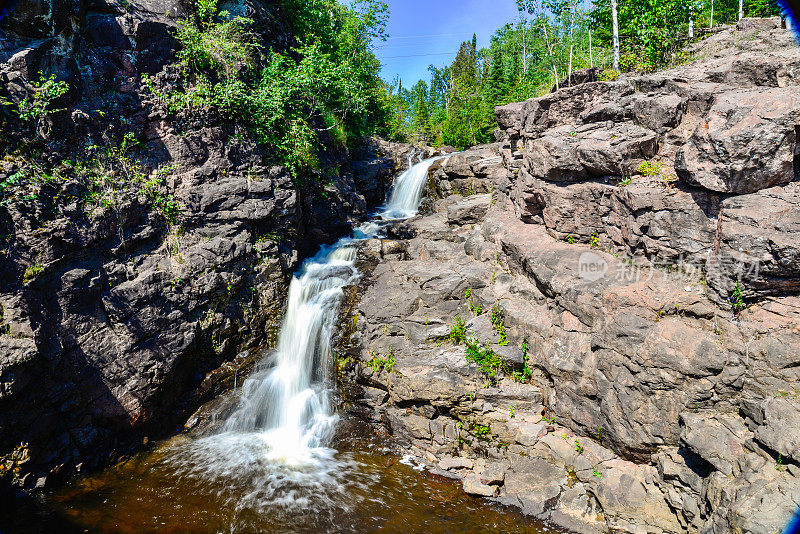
[407, 191]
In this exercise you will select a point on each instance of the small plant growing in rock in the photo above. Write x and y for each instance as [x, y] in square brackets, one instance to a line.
[779, 463]
[485, 358]
[571, 239]
[578, 446]
[481, 431]
[497, 319]
[736, 299]
[597, 473]
[458, 332]
[31, 271]
[46, 91]
[594, 241]
[377, 363]
[477, 309]
[549, 419]
[625, 181]
[649, 168]
[511, 411]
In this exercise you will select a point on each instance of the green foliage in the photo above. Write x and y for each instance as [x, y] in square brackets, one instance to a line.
[378, 363]
[526, 373]
[608, 75]
[481, 431]
[113, 168]
[458, 332]
[594, 241]
[488, 361]
[39, 105]
[477, 309]
[597, 473]
[625, 181]
[293, 101]
[737, 301]
[497, 318]
[649, 168]
[524, 59]
[31, 271]
[578, 446]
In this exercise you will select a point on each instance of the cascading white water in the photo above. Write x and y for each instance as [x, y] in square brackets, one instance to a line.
[289, 402]
[276, 438]
[407, 191]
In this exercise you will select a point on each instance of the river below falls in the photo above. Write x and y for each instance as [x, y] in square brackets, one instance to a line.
[366, 487]
[283, 460]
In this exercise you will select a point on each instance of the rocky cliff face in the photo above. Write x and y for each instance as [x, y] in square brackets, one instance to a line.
[116, 322]
[627, 282]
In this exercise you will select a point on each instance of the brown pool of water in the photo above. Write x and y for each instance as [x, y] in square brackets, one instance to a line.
[368, 489]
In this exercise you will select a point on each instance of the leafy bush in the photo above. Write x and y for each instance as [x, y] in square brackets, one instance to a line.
[497, 319]
[377, 363]
[458, 332]
[38, 106]
[737, 301]
[649, 168]
[608, 75]
[485, 358]
[325, 87]
[31, 271]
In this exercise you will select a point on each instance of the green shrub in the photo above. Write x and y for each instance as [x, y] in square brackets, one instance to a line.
[45, 92]
[458, 332]
[31, 271]
[497, 319]
[737, 301]
[377, 363]
[608, 75]
[649, 168]
[488, 361]
[481, 431]
[326, 87]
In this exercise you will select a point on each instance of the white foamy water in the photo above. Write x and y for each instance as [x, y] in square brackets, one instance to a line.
[276, 441]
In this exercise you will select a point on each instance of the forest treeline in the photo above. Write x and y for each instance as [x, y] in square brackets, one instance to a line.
[538, 51]
[321, 88]
[325, 88]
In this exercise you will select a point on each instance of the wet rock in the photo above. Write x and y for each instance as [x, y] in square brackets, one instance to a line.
[473, 486]
[457, 462]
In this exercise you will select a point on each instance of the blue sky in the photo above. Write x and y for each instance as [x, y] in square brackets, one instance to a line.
[419, 27]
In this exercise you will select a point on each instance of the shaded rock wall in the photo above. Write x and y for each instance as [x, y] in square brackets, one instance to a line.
[114, 324]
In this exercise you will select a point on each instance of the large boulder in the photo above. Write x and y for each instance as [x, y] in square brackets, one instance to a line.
[746, 142]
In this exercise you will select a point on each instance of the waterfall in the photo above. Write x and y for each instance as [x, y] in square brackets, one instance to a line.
[276, 437]
[407, 190]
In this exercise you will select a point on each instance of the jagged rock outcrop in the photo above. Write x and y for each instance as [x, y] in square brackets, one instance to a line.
[646, 377]
[649, 163]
